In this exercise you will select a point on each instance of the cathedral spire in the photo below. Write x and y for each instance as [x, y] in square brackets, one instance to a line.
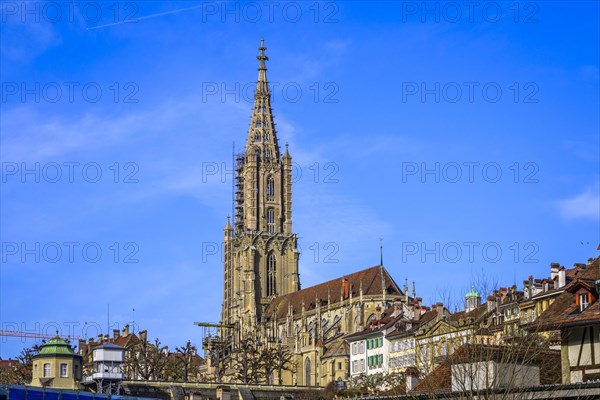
[262, 139]
[262, 69]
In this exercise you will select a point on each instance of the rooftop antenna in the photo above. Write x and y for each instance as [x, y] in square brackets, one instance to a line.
[233, 166]
[107, 318]
[133, 322]
[381, 270]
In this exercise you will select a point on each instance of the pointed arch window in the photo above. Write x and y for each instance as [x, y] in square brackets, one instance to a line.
[270, 189]
[271, 275]
[266, 137]
[270, 220]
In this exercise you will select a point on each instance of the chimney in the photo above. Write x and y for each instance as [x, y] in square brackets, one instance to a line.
[439, 309]
[90, 340]
[144, 335]
[106, 337]
[491, 303]
[126, 330]
[397, 308]
[345, 288]
[99, 338]
[416, 311]
[554, 270]
[116, 333]
[562, 277]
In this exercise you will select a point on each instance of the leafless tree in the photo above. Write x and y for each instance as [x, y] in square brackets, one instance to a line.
[376, 383]
[246, 359]
[21, 372]
[146, 360]
[186, 362]
[487, 371]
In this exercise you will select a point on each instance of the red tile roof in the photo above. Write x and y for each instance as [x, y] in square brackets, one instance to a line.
[425, 318]
[369, 278]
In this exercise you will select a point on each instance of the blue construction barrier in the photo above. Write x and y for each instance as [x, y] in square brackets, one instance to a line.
[21, 392]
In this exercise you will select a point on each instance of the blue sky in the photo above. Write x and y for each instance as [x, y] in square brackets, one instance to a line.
[466, 137]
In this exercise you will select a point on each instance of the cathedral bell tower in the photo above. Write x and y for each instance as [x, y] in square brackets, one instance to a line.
[260, 250]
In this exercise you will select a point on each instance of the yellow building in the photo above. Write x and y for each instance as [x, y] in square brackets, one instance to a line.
[440, 339]
[57, 365]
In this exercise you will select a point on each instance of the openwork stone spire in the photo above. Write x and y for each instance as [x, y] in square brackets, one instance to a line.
[262, 138]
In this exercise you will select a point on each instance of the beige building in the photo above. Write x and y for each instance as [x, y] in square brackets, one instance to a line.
[260, 249]
[314, 321]
[57, 366]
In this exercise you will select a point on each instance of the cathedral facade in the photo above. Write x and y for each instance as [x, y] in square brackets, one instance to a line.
[261, 280]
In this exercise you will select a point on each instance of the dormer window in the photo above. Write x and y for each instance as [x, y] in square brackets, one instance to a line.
[583, 301]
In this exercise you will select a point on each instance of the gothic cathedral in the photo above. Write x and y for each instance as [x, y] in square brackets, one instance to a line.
[260, 250]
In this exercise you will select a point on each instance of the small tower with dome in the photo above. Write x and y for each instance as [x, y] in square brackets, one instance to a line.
[472, 300]
[56, 365]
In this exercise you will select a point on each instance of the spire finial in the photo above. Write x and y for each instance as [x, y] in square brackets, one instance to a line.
[381, 252]
[262, 57]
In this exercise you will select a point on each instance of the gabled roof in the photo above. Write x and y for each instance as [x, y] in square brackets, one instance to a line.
[423, 321]
[109, 346]
[337, 348]
[377, 326]
[369, 278]
[564, 312]
[477, 313]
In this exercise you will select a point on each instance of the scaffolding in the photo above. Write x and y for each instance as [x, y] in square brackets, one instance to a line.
[217, 344]
[238, 221]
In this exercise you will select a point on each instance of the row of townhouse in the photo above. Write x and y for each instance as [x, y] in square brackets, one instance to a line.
[420, 341]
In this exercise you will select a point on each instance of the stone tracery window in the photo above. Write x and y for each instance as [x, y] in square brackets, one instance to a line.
[271, 275]
[270, 188]
[270, 220]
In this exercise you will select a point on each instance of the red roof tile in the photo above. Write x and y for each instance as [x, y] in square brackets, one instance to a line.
[371, 286]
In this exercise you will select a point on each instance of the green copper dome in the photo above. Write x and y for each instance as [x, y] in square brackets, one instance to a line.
[56, 345]
[472, 293]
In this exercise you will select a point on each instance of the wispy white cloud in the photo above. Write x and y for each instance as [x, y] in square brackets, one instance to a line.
[585, 205]
[22, 41]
